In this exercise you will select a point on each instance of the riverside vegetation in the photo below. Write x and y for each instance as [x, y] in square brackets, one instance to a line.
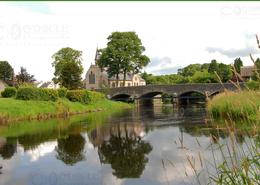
[30, 103]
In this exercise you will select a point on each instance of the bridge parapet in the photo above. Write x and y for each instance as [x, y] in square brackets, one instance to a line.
[178, 89]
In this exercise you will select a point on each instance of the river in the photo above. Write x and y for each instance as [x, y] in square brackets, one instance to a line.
[149, 145]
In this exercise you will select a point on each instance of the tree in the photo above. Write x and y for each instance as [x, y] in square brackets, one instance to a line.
[6, 72]
[24, 77]
[224, 72]
[238, 63]
[190, 70]
[213, 66]
[123, 54]
[68, 68]
[203, 77]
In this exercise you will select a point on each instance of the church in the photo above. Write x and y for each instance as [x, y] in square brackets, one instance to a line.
[96, 78]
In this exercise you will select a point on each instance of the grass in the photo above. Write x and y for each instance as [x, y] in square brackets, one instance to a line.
[236, 106]
[17, 110]
[241, 165]
[87, 122]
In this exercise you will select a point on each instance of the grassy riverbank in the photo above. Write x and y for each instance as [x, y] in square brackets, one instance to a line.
[236, 106]
[16, 110]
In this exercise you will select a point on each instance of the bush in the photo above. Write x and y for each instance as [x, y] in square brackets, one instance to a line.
[9, 92]
[96, 96]
[62, 92]
[78, 96]
[84, 96]
[32, 93]
[252, 85]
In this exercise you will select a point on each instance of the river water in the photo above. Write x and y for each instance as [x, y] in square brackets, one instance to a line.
[149, 145]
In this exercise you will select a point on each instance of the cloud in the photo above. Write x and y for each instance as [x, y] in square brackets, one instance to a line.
[34, 7]
[165, 71]
[155, 62]
[161, 66]
[231, 53]
[249, 47]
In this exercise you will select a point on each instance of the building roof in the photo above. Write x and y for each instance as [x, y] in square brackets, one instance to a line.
[247, 71]
[45, 84]
[129, 77]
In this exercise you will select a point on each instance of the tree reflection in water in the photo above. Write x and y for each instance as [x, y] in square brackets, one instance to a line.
[8, 149]
[126, 154]
[70, 150]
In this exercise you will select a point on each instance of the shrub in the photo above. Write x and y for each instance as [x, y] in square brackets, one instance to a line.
[79, 96]
[9, 92]
[84, 96]
[62, 92]
[253, 85]
[96, 96]
[32, 93]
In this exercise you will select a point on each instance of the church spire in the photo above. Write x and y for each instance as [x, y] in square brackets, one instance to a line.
[97, 56]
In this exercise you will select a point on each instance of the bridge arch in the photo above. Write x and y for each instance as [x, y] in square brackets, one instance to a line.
[150, 95]
[215, 93]
[191, 92]
[191, 96]
[121, 97]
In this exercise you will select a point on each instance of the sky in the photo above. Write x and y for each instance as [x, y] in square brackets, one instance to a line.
[175, 34]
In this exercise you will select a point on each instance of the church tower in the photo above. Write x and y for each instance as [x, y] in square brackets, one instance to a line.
[97, 56]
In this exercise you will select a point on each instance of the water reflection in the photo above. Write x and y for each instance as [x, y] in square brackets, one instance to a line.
[126, 152]
[70, 150]
[147, 145]
[8, 148]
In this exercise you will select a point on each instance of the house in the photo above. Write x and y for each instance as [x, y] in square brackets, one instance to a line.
[96, 78]
[3, 85]
[48, 85]
[247, 72]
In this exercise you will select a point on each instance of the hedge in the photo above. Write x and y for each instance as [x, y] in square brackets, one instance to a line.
[62, 92]
[8, 92]
[33, 93]
[84, 96]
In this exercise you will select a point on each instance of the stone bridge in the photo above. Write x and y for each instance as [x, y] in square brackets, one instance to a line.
[177, 90]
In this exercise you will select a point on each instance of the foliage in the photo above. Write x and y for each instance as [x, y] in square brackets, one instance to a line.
[223, 71]
[243, 105]
[253, 85]
[203, 77]
[123, 54]
[32, 93]
[238, 63]
[193, 73]
[257, 65]
[81, 96]
[166, 98]
[189, 70]
[84, 96]
[62, 92]
[165, 79]
[213, 67]
[24, 77]
[8, 92]
[96, 96]
[6, 72]
[68, 68]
